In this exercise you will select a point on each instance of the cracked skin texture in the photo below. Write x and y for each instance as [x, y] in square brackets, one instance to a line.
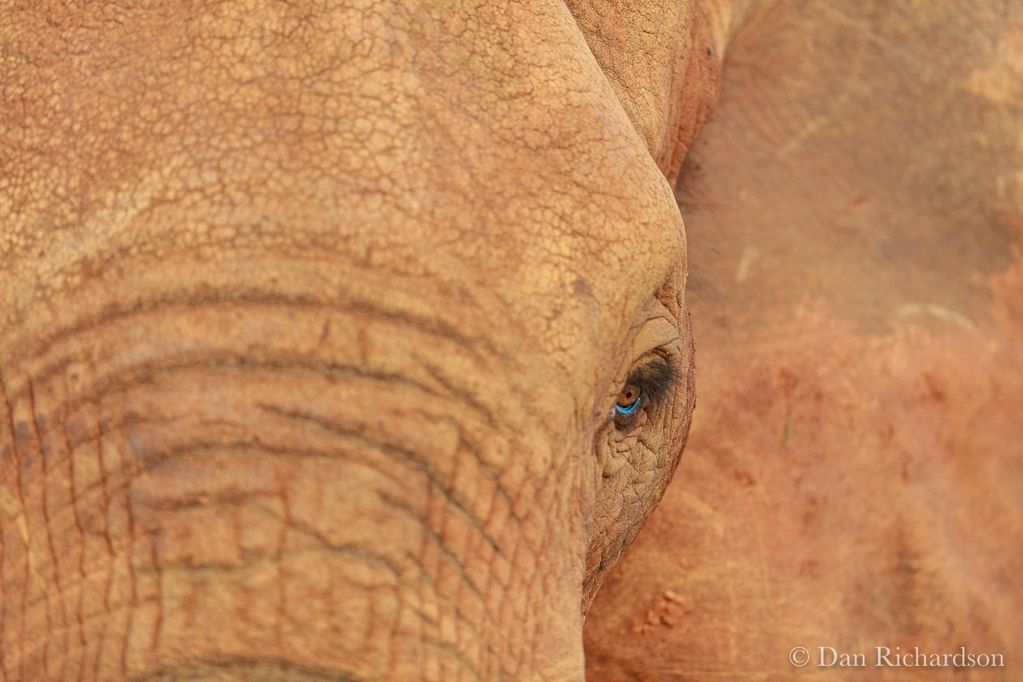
[311, 316]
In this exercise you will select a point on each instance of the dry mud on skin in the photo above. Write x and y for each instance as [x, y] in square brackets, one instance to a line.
[837, 490]
[854, 475]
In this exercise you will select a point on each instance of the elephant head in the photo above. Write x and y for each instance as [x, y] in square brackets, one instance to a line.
[338, 340]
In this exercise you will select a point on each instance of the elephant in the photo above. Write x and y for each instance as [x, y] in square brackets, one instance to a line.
[349, 340]
[297, 384]
[853, 478]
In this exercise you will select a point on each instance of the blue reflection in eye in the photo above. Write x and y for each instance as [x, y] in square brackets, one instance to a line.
[630, 409]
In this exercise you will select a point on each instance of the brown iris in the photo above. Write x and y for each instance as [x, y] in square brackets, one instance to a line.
[645, 386]
[628, 396]
[628, 404]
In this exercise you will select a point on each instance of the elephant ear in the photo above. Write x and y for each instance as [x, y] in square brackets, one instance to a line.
[662, 60]
[854, 213]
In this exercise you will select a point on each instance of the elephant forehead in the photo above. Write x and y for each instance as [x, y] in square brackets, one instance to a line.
[481, 138]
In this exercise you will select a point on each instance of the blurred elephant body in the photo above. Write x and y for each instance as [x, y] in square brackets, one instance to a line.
[854, 475]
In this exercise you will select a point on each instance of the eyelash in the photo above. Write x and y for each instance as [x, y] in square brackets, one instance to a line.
[654, 381]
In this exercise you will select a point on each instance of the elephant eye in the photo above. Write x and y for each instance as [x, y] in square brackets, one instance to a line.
[628, 401]
[648, 385]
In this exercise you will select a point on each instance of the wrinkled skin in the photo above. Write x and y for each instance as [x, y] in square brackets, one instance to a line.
[854, 474]
[313, 319]
[314, 316]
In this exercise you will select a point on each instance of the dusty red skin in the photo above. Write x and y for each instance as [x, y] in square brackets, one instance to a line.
[312, 318]
[854, 474]
[226, 226]
[837, 490]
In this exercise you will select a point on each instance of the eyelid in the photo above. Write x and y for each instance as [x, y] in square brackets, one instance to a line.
[655, 378]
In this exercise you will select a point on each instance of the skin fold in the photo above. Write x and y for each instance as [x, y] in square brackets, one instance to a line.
[314, 317]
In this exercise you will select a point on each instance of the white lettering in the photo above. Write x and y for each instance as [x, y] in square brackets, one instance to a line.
[828, 657]
[897, 658]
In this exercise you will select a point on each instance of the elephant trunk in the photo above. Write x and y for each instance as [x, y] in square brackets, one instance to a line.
[252, 483]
